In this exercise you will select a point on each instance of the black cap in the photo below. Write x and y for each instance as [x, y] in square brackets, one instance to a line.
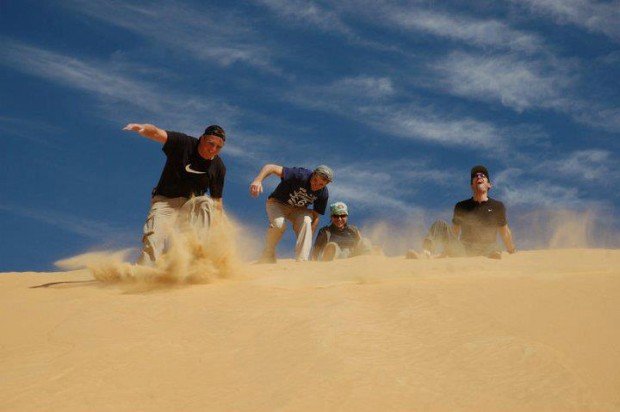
[479, 169]
[215, 130]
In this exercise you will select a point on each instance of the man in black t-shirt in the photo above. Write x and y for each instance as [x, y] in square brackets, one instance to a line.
[192, 168]
[475, 224]
[339, 240]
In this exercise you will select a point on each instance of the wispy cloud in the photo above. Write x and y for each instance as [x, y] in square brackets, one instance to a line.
[584, 165]
[373, 101]
[523, 84]
[595, 16]
[309, 13]
[208, 34]
[515, 82]
[93, 77]
[473, 31]
[399, 184]
[88, 228]
[139, 98]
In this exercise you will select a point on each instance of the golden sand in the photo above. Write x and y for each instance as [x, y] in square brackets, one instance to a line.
[538, 330]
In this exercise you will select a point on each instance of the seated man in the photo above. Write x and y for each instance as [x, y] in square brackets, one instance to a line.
[475, 224]
[339, 240]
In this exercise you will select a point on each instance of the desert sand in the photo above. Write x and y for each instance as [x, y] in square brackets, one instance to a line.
[538, 330]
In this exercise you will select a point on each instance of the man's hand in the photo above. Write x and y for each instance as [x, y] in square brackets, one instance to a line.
[256, 188]
[135, 127]
[148, 131]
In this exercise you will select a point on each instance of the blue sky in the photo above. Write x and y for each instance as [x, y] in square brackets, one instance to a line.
[401, 98]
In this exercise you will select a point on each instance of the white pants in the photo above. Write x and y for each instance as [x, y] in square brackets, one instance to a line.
[168, 213]
[301, 218]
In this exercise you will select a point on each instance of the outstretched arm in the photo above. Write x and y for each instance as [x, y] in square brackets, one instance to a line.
[506, 235]
[148, 131]
[256, 187]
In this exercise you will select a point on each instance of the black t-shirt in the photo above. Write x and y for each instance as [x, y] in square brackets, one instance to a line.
[347, 237]
[186, 173]
[479, 221]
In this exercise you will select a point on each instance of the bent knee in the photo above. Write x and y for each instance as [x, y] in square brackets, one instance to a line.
[278, 224]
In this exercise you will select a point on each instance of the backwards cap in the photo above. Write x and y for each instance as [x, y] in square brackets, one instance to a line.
[215, 130]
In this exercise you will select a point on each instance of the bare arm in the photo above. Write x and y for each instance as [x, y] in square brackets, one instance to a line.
[148, 131]
[506, 235]
[256, 187]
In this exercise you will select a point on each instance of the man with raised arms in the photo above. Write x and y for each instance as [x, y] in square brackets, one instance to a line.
[192, 168]
[298, 189]
[475, 224]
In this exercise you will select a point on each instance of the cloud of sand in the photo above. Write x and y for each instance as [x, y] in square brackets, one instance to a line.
[394, 238]
[565, 228]
[540, 229]
[191, 257]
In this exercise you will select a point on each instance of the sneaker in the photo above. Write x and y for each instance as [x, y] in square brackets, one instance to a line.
[329, 252]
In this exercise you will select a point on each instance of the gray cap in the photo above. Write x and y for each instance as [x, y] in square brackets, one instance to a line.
[325, 171]
[339, 208]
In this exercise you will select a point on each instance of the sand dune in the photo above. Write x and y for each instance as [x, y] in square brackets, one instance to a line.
[535, 331]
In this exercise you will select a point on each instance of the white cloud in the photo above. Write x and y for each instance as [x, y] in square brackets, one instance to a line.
[88, 228]
[595, 16]
[523, 84]
[92, 77]
[513, 81]
[308, 13]
[474, 31]
[125, 96]
[206, 34]
[372, 101]
[583, 165]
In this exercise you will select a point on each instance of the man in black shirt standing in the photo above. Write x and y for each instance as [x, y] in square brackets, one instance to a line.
[475, 224]
[192, 167]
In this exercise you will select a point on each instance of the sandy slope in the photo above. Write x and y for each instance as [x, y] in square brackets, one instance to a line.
[535, 331]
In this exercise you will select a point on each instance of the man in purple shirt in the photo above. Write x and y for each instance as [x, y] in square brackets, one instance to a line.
[298, 189]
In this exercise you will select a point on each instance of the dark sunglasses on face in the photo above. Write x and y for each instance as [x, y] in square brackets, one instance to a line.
[339, 216]
[477, 175]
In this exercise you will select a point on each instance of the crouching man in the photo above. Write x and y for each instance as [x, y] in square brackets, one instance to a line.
[179, 200]
[339, 240]
[298, 189]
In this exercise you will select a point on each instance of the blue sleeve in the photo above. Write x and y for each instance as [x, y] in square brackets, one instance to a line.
[297, 174]
[320, 203]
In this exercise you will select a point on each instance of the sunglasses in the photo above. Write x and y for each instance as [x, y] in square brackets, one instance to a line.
[477, 175]
[339, 216]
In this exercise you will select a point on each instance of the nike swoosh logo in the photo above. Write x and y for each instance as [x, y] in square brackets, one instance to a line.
[190, 170]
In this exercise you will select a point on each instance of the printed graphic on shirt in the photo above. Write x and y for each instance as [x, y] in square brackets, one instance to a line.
[300, 198]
